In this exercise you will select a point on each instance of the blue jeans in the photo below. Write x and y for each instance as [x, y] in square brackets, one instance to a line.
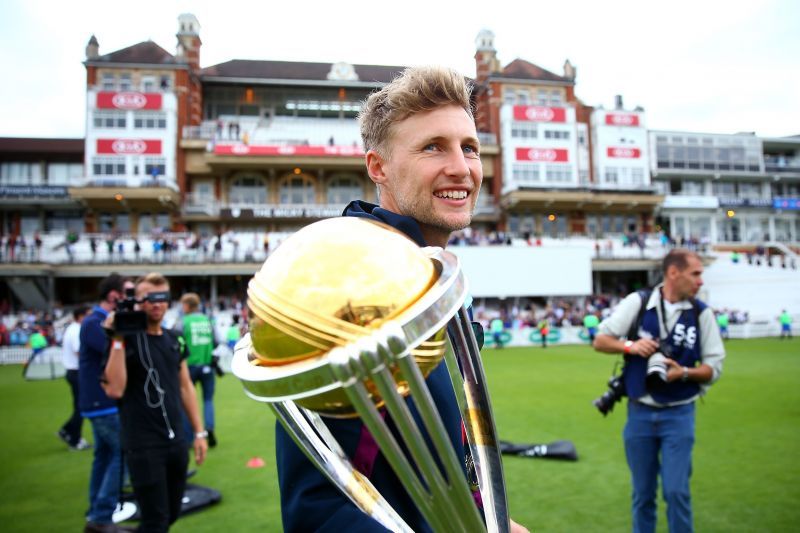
[104, 484]
[659, 441]
[205, 375]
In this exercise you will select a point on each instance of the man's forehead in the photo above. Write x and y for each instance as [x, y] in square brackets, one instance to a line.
[449, 121]
[146, 287]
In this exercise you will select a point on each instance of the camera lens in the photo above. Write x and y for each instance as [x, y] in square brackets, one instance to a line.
[656, 368]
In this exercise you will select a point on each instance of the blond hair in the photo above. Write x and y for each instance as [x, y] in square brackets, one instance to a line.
[416, 90]
[191, 300]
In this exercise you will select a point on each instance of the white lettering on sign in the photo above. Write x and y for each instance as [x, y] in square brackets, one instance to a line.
[536, 154]
[240, 149]
[129, 146]
[129, 100]
[541, 114]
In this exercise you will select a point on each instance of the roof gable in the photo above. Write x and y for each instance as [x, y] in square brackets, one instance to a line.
[525, 70]
[146, 52]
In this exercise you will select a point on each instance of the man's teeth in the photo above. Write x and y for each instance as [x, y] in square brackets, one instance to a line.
[453, 195]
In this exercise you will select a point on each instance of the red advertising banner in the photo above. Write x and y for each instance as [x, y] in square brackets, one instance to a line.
[543, 155]
[278, 150]
[620, 151]
[128, 100]
[128, 146]
[622, 119]
[536, 113]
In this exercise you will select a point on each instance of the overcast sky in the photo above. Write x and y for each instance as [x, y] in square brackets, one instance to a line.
[696, 65]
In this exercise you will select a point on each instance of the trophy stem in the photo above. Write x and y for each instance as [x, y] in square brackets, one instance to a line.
[479, 424]
[326, 453]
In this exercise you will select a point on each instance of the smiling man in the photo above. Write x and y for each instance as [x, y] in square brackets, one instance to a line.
[422, 153]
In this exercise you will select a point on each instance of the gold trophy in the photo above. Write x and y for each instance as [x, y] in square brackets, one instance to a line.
[348, 317]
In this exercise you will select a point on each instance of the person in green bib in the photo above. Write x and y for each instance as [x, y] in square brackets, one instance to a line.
[590, 322]
[723, 319]
[786, 324]
[198, 334]
[497, 328]
[234, 333]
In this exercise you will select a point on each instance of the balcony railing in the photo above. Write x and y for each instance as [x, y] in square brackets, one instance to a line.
[782, 164]
[127, 181]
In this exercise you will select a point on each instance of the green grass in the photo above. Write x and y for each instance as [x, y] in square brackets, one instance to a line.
[745, 466]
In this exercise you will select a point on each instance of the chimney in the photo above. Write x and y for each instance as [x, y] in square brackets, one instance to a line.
[618, 102]
[93, 48]
[569, 71]
[188, 48]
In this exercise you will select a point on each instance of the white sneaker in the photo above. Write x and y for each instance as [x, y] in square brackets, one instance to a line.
[81, 445]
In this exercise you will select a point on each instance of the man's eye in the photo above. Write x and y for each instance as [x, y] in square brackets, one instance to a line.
[469, 149]
[430, 147]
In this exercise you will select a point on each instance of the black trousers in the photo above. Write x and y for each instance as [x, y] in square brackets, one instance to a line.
[73, 426]
[158, 477]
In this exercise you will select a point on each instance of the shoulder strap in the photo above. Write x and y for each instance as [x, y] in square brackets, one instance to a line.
[644, 294]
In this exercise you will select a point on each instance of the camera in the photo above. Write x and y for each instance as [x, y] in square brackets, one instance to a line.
[657, 365]
[127, 319]
[615, 392]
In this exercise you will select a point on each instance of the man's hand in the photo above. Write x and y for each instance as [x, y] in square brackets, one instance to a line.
[108, 323]
[674, 370]
[200, 449]
[644, 347]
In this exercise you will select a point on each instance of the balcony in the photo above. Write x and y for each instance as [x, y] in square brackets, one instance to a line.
[202, 206]
[782, 164]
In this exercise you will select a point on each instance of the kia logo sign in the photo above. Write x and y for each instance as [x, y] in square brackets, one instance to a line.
[622, 119]
[240, 149]
[539, 114]
[536, 113]
[129, 100]
[541, 155]
[623, 152]
[129, 146]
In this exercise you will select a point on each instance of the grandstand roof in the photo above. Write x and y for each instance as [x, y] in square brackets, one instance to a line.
[296, 71]
[27, 146]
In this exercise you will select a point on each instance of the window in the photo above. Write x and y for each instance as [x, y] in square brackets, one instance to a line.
[343, 189]
[524, 130]
[556, 134]
[523, 97]
[526, 174]
[724, 188]
[108, 166]
[109, 119]
[148, 84]
[555, 97]
[109, 82]
[20, 173]
[558, 173]
[750, 190]
[150, 121]
[125, 82]
[541, 97]
[64, 173]
[155, 167]
[248, 190]
[297, 190]
[509, 97]
[637, 176]
[611, 175]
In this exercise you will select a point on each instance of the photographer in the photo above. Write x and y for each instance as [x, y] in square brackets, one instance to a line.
[198, 333]
[678, 354]
[147, 373]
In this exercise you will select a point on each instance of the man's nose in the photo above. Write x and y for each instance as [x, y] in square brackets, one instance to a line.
[457, 164]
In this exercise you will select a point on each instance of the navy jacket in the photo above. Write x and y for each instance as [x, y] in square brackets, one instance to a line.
[308, 501]
[93, 352]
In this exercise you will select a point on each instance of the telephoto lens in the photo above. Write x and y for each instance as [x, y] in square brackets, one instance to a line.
[657, 369]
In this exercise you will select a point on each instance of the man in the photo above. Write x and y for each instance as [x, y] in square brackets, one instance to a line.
[590, 322]
[497, 327]
[422, 152]
[659, 433]
[147, 373]
[104, 484]
[70, 432]
[198, 334]
[786, 324]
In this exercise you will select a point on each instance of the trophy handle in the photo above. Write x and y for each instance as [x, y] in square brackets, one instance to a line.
[313, 437]
[472, 394]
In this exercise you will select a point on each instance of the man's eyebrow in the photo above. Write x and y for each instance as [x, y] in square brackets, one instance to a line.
[438, 138]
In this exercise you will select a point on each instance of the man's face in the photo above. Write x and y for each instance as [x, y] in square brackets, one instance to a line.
[687, 282]
[154, 310]
[432, 171]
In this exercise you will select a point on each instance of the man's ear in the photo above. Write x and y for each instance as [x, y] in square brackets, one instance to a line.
[375, 167]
